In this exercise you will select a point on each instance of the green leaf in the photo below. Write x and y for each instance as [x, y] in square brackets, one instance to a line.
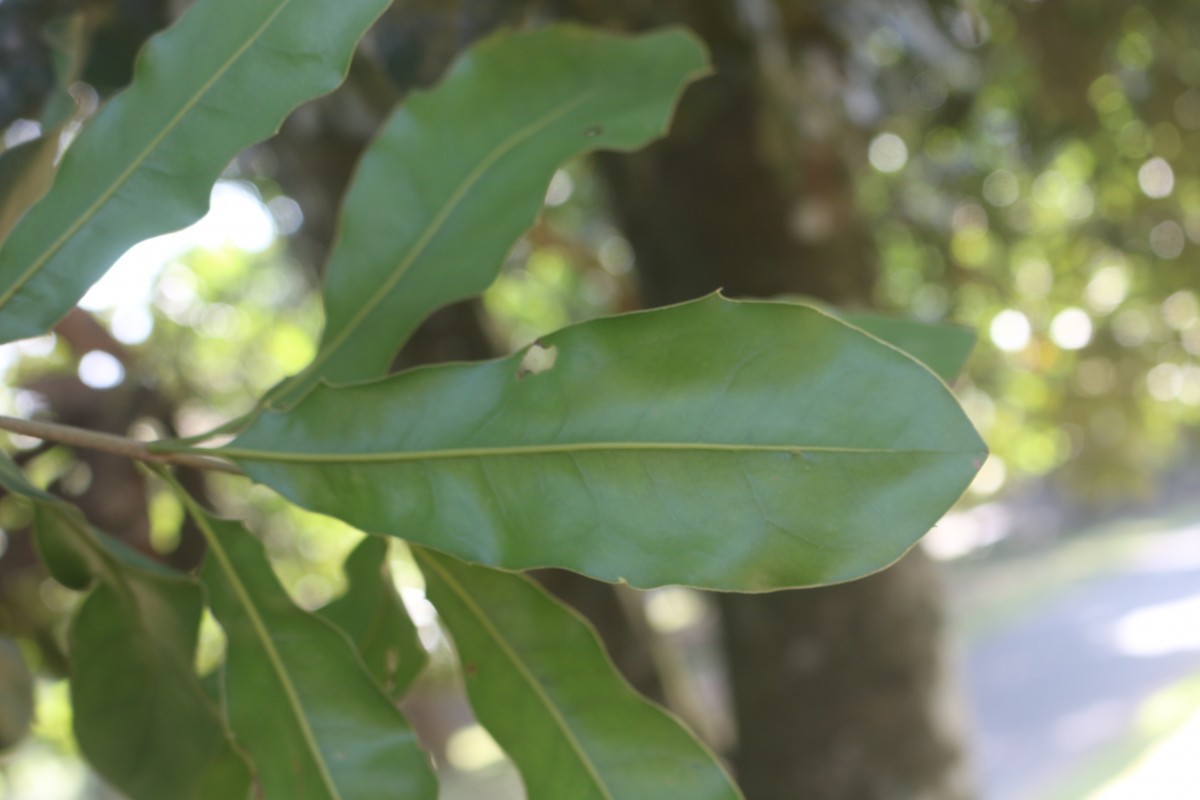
[457, 174]
[298, 696]
[132, 642]
[222, 78]
[26, 172]
[69, 560]
[728, 445]
[941, 347]
[541, 683]
[16, 694]
[372, 614]
[12, 479]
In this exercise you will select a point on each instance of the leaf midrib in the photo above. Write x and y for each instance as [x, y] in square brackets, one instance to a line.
[37, 264]
[268, 644]
[433, 228]
[552, 449]
[523, 669]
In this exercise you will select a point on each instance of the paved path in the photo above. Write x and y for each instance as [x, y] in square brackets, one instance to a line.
[1053, 689]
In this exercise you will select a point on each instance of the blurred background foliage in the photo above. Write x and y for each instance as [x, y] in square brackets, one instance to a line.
[1042, 188]
[1028, 169]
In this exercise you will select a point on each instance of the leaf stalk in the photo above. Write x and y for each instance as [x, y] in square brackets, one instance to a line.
[110, 443]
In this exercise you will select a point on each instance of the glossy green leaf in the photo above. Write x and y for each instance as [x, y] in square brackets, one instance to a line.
[728, 445]
[944, 348]
[445, 190]
[221, 78]
[141, 715]
[298, 696]
[372, 614]
[540, 681]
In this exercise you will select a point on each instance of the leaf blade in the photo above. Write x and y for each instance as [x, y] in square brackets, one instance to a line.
[540, 682]
[372, 614]
[132, 645]
[26, 172]
[16, 695]
[944, 348]
[298, 696]
[221, 78]
[123, 665]
[428, 219]
[728, 445]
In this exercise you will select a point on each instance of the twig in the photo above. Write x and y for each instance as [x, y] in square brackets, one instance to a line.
[108, 443]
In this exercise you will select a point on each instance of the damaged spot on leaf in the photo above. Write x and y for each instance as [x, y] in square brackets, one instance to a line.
[538, 358]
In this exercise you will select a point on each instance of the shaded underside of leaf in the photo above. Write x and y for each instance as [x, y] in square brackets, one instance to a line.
[132, 645]
[141, 714]
[26, 172]
[16, 694]
[221, 78]
[727, 445]
[372, 614]
[446, 189]
[540, 682]
[299, 699]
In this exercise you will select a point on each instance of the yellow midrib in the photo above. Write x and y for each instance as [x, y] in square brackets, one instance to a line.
[549, 449]
[268, 645]
[434, 227]
[524, 671]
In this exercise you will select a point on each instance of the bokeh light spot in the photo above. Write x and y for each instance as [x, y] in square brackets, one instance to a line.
[100, 370]
[1010, 330]
[560, 189]
[1071, 329]
[1167, 240]
[1108, 288]
[888, 153]
[1156, 178]
[472, 748]
[132, 324]
[1001, 188]
[1180, 311]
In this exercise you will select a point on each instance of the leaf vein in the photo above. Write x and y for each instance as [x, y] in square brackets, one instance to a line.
[523, 669]
[273, 656]
[250, 454]
[439, 220]
[141, 157]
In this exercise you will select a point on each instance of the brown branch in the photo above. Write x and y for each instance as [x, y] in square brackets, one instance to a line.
[107, 442]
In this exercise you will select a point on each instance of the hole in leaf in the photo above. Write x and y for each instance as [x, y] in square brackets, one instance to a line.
[537, 359]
